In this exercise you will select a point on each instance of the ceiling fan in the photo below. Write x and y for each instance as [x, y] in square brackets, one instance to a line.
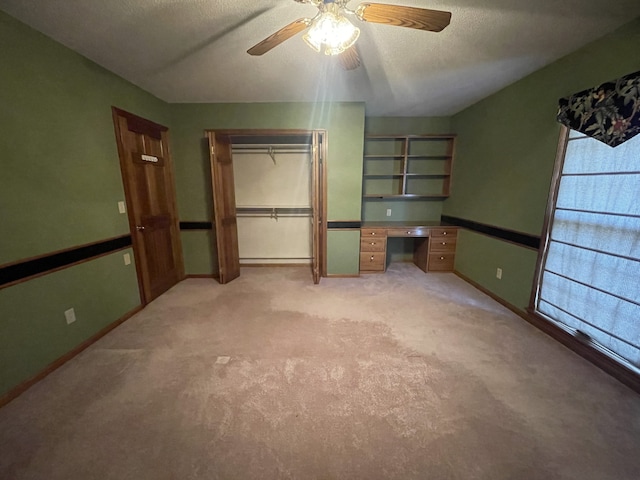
[330, 28]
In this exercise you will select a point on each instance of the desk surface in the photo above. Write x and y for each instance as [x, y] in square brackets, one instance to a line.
[404, 224]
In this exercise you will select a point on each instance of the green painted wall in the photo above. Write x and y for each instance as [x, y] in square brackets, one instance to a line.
[33, 329]
[505, 155]
[478, 256]
[60, 172]
[344, 123]
[60, 184]
[407, 125]
[199, 247]
[343, 252]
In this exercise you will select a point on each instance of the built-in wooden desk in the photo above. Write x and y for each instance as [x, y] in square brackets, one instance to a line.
[434, 251]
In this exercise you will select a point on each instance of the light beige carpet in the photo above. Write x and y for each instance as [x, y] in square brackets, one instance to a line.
[395, 376]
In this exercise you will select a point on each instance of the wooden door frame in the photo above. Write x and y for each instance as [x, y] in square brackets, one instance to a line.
[322, 169]
[146, 127]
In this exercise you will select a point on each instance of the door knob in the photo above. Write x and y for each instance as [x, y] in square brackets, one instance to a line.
[140, 228]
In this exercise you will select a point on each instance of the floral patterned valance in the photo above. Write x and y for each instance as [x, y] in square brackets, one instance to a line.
[609, 112]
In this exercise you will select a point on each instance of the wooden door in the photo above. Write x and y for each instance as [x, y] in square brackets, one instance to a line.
[147, 174]
[224, 206]
[317, 149]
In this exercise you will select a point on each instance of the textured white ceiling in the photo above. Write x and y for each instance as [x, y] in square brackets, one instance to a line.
[195, 50]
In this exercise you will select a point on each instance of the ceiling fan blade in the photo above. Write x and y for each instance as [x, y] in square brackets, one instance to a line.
[350, 58]
[280, 36]
[411, 17]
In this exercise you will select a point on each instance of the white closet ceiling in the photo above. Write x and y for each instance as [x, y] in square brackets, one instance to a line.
[195, 50]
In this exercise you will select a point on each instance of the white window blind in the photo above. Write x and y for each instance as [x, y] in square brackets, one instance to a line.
[590, 279]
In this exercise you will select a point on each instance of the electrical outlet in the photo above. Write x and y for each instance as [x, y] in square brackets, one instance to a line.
[70, 315]
[499, 273]
[121, 207]
[127, 259]
[388, 212]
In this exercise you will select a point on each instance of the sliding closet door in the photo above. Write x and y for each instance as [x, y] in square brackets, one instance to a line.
[224, 206]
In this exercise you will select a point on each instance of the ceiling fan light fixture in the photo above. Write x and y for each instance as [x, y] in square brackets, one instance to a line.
[333, 31]
[344, 36]
[314, 38]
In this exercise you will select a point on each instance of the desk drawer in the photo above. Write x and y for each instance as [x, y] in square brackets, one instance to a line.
[372, 261]
[441, 262]
[408, 232]
[373, 233]
[442, 244]
[444, 232]
[373, 244]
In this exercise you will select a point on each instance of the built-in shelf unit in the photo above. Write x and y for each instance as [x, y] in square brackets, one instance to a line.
[407, 166]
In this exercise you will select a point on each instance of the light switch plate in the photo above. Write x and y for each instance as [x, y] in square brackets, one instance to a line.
[127, 259]
[388, 212]
[121, 207]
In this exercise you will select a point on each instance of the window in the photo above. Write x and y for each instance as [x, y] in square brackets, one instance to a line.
[589, 278]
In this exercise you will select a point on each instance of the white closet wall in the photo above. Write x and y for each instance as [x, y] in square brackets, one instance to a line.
[273, 201]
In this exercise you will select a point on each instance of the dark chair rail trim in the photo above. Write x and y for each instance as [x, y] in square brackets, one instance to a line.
[209, 225]
[23, 270]
[519, 238]
[196, 225]
[335, 225]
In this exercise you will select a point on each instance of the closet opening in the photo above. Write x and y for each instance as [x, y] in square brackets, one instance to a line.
[269, 199]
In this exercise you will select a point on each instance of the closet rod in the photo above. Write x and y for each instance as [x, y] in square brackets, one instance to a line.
[274, 212]
[275, 258]
[274, 216]
[274, 209]
[271, 148]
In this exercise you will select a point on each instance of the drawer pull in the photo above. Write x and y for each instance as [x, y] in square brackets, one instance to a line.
[441, 258]
[444, 233]
[373, 233]
[408, 233]
[372, 258]
[372, 243]
[444, 243]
